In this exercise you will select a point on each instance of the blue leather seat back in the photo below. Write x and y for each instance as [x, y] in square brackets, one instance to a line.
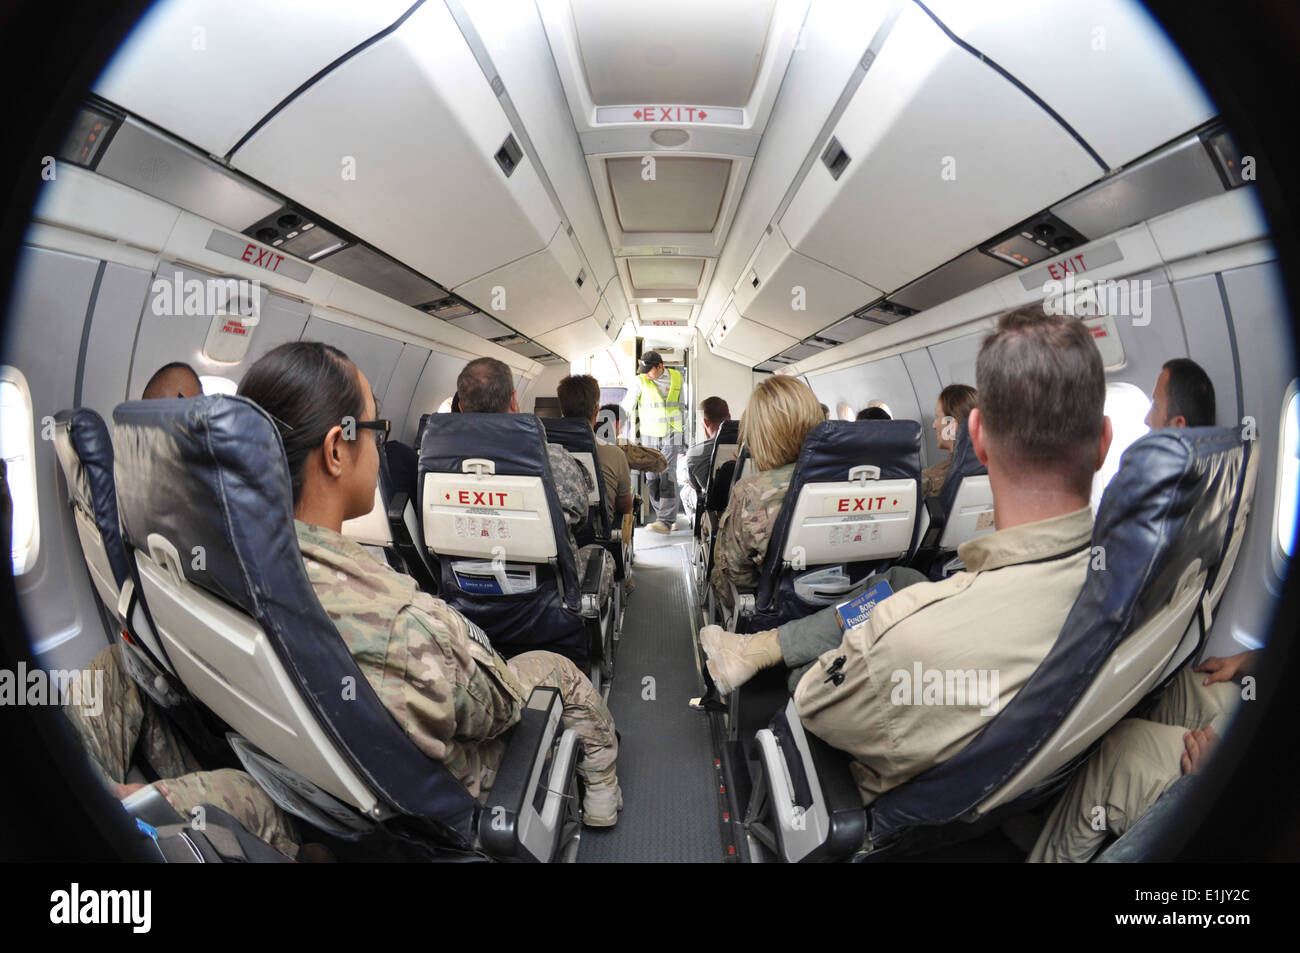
[576, 436]
[1163, 517]
[830, 451]
[92, 485]
[515, 622]
[964, 463]
[211, 472]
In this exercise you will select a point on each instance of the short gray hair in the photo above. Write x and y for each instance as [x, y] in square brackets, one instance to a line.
[485, 386]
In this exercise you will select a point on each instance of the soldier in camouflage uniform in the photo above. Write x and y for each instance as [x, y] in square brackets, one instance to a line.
[438, 674]
[573, 486]
[129, 719]
[435, 672]
[745, 529]
[780, 413]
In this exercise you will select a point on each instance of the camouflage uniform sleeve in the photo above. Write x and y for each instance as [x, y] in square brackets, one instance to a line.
[455, 687]
[735, 556]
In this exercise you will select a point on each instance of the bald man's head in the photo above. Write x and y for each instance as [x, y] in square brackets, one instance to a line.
[177, 379]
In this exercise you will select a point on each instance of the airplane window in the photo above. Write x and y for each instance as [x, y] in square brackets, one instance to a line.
[212, 384]
[1127, 407]
[1288, 484]
[18, 446]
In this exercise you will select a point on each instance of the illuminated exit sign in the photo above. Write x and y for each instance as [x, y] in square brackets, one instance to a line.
[691, 115]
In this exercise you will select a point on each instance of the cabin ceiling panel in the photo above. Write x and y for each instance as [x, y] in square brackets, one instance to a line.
[685, 52]
[684, 194]
[183, 67]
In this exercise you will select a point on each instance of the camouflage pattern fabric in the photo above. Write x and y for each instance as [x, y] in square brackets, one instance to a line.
[932, 477]
[644, 458]
[129, 719]
[436, 672]
[745, 529]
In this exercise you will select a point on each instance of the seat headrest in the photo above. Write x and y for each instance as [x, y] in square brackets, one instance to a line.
[1166, 508]
[834, 447]
[963, 463]
[89, 474]
[211, 471]
[572, 433]
[516, 442]
[728, 432]
[403, 465]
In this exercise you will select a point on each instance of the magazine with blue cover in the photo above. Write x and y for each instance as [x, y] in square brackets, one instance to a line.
[857, 611]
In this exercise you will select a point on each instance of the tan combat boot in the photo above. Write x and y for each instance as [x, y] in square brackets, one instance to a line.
[734, 659]
[601, 804]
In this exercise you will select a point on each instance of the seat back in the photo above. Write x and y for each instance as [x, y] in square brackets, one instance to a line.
[1240, 518]
[373, 529]
[85, 452]
[577, 437]
[853, 502]
[491, 518]
[206, 511]
[726, 447]
[966, 499]
[1159, 531]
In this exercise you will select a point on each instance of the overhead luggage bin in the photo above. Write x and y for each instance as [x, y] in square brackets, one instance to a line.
[534, 294]
[746, 341]
[784, 289]
[916, 172]
[1117, 80]
[427, 168]
[180, 70]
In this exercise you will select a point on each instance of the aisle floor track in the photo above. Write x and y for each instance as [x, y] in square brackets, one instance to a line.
[666, 760]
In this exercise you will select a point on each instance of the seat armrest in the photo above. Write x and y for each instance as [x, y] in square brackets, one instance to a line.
[816, 812]
[935, 529]
[590, 587]
[536, 766]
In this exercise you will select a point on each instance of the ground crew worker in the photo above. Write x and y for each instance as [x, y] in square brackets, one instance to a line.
[658, 396]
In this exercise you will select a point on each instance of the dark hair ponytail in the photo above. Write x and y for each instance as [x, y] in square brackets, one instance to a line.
[308, 388]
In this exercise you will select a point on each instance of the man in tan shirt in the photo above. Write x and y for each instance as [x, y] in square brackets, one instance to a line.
[916, 682]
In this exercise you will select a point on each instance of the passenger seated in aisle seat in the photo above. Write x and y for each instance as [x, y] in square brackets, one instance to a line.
[176, 379]
[953, 407]
[1041, 431]
[579, 397]
[130, 721]
[874, 413]
[714, 411]
[1183, 396]
[486, 387]
[780, 413]
[1141, 757]
[431, 667]
[610, 425]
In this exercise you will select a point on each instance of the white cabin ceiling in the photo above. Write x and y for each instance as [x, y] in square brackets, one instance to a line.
[685, 51]
[683, 195]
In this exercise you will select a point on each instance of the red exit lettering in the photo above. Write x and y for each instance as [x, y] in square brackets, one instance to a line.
[234, 327]
[1067, 266]
[670, 113]
[265, 257]
[481, 498]
[861, 503]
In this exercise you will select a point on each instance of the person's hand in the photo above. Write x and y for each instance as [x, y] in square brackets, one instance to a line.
[123, 791]
[1226, 669]
[1198, 745]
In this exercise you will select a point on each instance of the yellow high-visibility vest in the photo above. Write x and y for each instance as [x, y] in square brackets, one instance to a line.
[660, 416]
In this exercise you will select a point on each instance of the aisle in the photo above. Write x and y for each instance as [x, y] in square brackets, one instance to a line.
[665, 765]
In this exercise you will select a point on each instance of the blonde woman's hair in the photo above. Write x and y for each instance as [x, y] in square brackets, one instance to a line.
[780, 413]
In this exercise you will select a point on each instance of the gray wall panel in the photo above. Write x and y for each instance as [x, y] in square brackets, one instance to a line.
[885, 380]
[46, 318]
[1259, 314]
[397, 403]
[165, 338]
[955, 360]
[1206, 324]
[112, 330]
[375, 355]
[925, 383]
[437, 383]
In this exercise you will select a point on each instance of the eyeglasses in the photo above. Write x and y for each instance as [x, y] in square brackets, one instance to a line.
[381, 427]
